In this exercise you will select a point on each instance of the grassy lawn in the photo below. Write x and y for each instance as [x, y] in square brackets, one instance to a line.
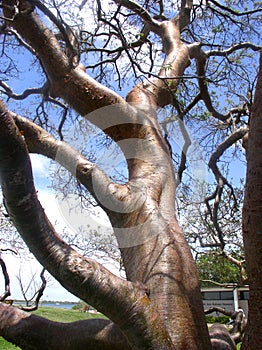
[54, 314]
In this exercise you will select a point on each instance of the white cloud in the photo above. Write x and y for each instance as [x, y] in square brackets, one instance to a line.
[40, 165]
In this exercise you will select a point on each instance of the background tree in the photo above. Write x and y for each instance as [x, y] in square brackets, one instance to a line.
[32, 291]
[215, 268]
[197, 61]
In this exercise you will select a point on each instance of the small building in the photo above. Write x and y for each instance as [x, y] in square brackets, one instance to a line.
[228, 297]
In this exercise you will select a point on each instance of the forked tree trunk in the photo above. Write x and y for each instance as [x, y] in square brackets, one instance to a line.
[252, 221]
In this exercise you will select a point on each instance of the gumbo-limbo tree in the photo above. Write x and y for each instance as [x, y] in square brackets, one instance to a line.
[177, 65]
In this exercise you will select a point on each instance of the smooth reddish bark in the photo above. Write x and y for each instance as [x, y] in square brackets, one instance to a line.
[252, 221]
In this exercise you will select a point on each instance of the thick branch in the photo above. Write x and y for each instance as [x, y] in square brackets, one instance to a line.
[44, 334]
[40, 141]
[66, 32]
[239, 327]
[183, 18]
[239, 324]
[159, 91]
[240, 264]
[233, 260]
[106, 193]
[82, 92]
[221, 310]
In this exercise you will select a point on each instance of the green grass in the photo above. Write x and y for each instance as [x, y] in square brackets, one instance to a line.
[54, 314]
[64, 315]
[5, 345]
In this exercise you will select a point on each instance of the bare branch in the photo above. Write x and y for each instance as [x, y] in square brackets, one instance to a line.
[8, 30]
[8, 250]
[201, 59]
[38, 294]
[221, 180]
[141, 12]
[7, 292]
[196, 52]
[233, 12]
[233, 260]
[31, 91]
[187, 140]
[224, 53]
[221, 310]
[218, 284]
[222, 147]
[240, 264]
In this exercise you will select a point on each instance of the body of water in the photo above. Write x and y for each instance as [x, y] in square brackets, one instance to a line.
[57, 304]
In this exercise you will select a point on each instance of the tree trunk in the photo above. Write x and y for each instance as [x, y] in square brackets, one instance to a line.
[252, 221]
